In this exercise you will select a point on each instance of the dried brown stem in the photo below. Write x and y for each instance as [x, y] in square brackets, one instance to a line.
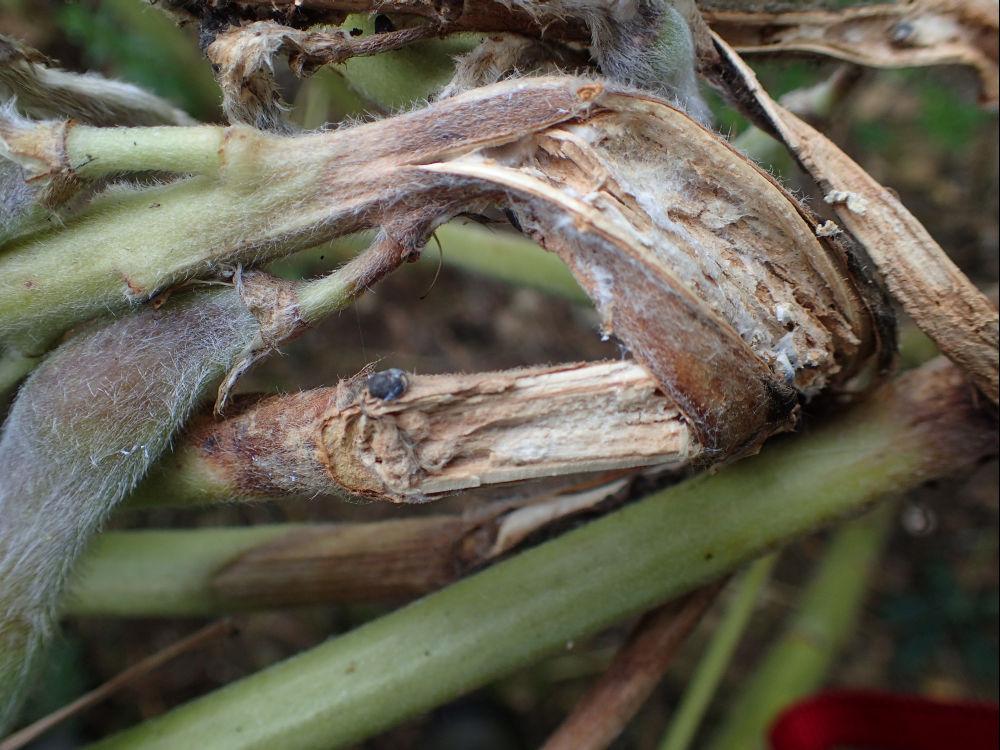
[905, 34]
[439, 434]
[942, 301]
[196, 640]
[898, 35]
[601, 715]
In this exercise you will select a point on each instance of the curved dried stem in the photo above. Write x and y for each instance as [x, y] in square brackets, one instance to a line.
[942, 301]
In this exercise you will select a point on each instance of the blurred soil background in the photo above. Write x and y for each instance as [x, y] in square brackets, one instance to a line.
[930, 623]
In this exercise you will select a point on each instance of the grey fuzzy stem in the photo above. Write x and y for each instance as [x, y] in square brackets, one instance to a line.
[82, 432]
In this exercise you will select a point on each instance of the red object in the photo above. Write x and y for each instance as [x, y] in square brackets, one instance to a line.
[885, 721]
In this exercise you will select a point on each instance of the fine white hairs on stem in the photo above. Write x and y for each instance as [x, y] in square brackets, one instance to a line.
[84, 429]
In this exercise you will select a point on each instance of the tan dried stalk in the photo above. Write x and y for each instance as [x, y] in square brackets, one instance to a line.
[930, 287]
[443, 434]
[898, 35]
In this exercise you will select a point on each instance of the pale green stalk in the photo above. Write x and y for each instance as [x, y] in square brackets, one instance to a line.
[96, 152]
[507, 257]
[126, 245]
[823, 622]
[162, 573]
[510, 615]
[712, 665]
[13, 367]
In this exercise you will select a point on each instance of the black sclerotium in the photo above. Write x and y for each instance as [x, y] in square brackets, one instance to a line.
[388, 385]
[383, 24]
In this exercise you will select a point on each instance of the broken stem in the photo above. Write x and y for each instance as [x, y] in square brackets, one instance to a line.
[438, 435]
[925, 425]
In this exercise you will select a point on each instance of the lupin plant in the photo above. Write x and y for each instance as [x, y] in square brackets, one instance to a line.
[135, 244]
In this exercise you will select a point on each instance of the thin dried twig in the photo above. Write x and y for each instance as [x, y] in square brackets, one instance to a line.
[196, 640]
[930, 287]
[601, 715]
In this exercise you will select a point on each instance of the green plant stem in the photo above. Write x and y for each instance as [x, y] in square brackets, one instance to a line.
[716, 658]
[507, 257]
[13, 367]
[96, 152]
[510, 615]
[824, 620]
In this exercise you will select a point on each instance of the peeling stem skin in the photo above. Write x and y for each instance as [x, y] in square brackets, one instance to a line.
[445, 433]
[613, 700]
[824, 619]
[203, 571]
[925, 425]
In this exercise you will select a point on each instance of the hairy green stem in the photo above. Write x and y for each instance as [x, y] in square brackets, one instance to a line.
[824, 620]
[13, 367]
[510, 615]
[716, 658]
[96, 152]
[163, 573]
